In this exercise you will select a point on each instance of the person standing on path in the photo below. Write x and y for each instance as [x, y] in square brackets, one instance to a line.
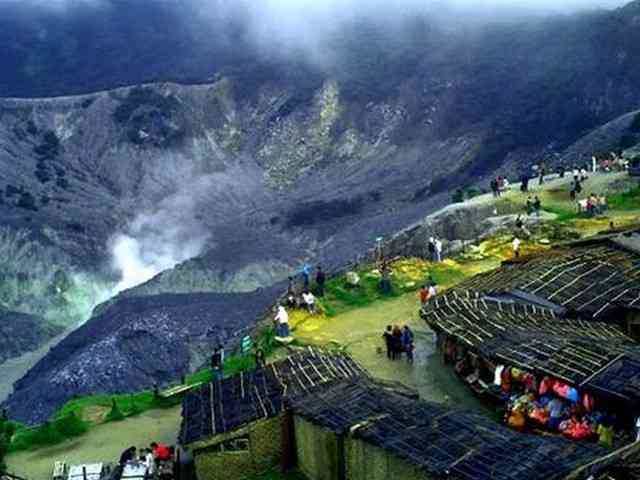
[320, 280]
[438, 245]
[515, 244]
[388, 340]
[306, 272]
[407, 342]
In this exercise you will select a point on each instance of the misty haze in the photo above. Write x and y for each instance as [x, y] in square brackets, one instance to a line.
[302, 240]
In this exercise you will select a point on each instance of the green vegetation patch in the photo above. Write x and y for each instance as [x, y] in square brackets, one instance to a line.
[408, 275]
[629, 200]
[56, 431]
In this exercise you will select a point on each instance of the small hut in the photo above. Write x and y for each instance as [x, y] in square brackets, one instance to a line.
[596, 279]
[364, 431]
[240, 426]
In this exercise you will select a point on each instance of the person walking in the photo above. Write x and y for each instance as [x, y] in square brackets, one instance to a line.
[282, 322]
[320, 281]
[515, 244]
[310, 301]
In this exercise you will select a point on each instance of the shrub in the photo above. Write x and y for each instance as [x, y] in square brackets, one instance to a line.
[115, 414]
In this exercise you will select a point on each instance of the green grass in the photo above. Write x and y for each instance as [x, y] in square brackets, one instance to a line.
[50, 433]
[341, 297]
[563, 215]
[629, 200]
[68, 422]
[278, 475]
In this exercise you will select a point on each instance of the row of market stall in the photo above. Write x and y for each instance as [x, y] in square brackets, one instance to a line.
[550, 339]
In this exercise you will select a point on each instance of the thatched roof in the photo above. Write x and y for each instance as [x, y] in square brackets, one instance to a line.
[587, 354]
[444, 442]
[223, 406]
[591, 278]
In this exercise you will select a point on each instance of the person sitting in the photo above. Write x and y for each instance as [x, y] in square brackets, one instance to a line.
[309, 301]
[161, 452]
[129, 455]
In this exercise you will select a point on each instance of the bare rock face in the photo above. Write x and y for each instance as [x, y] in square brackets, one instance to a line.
[134, 343]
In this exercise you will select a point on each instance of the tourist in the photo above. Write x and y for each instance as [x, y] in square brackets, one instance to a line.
[259, 358]
[602, 204]
[494, 187]
[217, 362]
[438, 245]
[306, 272]
[282, 322]
[583, 174]
[529, 206]
[149, 462]
[524, 183]
[521, 226]
[407, 342]
[541, 172]
[388, 341]
[556, 411]
[605, 433]
[515, 244]
[424, 295]
[161, 452]
[431, 247]
[309, 301]
[537, 206]
[432, 290]
[385, 282]
[396, 342]
[129, 455]
[320, 280]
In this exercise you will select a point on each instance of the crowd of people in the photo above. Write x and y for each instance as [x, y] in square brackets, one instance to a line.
[155, 461]
[398, 341]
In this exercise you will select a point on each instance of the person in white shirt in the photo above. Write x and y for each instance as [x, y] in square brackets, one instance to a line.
[309, 301]
[516, 246]
[282, 322]
[438, 245]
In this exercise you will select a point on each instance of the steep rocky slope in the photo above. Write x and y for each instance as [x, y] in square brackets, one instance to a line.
[21, 333]
[134, 344]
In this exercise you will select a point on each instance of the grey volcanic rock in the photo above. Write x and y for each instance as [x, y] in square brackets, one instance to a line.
[20, 333]
[132, 344]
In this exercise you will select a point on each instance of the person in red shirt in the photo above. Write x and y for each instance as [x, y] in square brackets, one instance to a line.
[161, 451]
[424, 295]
